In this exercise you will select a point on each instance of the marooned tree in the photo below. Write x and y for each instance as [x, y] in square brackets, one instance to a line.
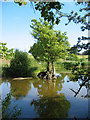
[50, 44]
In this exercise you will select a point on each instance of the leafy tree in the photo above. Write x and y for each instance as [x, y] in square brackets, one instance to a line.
[20, 66]
[49, 10]
[50, 44]
[5, 52]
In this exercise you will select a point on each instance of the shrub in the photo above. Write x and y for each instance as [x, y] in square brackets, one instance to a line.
[20, 66]
[82, 59]
[72, 57]
[59, 64]
[84, 64]
[70, 65]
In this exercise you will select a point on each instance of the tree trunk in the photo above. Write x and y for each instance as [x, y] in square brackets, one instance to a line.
[48, 67]
[48, 71]
[53, 68]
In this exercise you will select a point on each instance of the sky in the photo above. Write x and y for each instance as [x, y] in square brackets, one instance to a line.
[16, 20]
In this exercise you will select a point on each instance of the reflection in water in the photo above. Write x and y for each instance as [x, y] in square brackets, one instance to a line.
[7, 112]
[52, 107]
[50, 104]
[48, 88]
[47, 99]
[20, 88]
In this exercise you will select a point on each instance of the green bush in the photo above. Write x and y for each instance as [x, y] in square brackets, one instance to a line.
[72, 57]
[59, 64]
[82, 59]
[20, 66]
[84, 64]
[70, 65]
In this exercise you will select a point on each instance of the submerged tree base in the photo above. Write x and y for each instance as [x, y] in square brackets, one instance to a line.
[46, 75]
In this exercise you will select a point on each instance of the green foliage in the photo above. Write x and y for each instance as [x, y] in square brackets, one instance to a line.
[78, 18]
[72, 57]
[21, 2]
[74, 50]
[81, 73]
[48, 10]
[5, 52]
[51, 11]
[82, 59]
[59, 63]
[84, 63]
[70, 65]
[20, 66]
[50, 45]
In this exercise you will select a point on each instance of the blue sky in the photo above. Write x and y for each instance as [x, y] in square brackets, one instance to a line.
[16, 21]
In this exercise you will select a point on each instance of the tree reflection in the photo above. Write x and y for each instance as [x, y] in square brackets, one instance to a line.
[52, 107]
[20, 88]
[48, 87]
[50, 104]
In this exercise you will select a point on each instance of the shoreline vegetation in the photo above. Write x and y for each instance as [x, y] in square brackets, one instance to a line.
[36, 67]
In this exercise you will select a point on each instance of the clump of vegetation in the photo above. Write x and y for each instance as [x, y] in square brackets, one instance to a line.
[20, 66]
[70, 65]
[85, 63]
[72, 57]
[82, 59]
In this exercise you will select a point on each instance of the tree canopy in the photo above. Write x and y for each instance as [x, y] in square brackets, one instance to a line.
[50, 44]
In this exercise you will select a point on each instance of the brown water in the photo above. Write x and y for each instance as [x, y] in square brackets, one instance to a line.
[47, 99]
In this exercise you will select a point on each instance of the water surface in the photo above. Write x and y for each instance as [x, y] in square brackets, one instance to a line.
[47, 99]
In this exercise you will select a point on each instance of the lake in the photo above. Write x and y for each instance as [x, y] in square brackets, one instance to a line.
[45, 98]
